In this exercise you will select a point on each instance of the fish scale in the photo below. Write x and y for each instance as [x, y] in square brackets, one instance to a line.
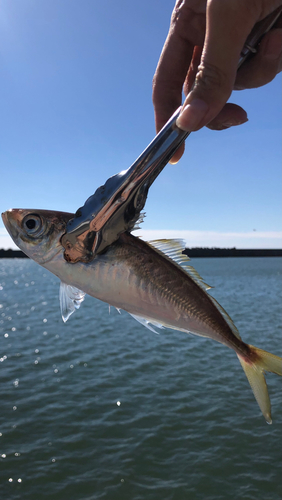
[183, 294]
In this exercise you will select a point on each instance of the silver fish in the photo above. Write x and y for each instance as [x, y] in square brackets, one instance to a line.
[152, 281]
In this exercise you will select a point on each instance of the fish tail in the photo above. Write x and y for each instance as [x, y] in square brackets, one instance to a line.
[254, 366]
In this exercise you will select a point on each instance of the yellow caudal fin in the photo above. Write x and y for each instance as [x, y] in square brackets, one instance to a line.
[254, 368]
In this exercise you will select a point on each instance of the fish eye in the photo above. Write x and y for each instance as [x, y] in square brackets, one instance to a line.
[32, 224]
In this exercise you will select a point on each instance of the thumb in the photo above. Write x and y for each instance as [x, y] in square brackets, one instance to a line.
[228, 25]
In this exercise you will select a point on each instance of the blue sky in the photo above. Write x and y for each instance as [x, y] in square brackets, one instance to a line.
[76, 108]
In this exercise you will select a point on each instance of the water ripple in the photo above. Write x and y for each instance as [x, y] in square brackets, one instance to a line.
[101, 408]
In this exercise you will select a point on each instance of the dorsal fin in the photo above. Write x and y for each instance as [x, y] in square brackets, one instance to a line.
[174, 250]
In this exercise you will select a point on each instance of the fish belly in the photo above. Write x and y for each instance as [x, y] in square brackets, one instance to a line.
[144, 283]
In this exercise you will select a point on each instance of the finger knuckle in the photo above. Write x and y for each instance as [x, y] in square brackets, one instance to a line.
[179, 11]
[209, 77]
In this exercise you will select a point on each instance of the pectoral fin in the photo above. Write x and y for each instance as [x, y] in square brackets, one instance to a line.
[70, 300]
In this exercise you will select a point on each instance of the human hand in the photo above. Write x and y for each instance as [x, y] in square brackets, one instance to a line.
[201, 55]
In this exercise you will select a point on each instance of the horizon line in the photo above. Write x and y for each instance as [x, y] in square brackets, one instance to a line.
[195, 238]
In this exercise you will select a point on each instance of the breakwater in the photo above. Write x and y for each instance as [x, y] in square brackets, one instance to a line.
[191, 252]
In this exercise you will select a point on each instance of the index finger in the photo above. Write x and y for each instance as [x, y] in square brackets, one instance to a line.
[174, 63]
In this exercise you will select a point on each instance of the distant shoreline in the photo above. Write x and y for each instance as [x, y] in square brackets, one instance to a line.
[233, 252]
[192, 252]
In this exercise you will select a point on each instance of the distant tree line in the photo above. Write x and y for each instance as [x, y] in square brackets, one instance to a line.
[10, 254]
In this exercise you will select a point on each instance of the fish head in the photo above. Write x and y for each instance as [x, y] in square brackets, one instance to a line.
[37, 232]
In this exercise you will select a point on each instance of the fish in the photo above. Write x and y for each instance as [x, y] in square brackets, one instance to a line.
[152, 281]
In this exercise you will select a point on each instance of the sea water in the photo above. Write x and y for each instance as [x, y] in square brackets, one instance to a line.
[102, 408]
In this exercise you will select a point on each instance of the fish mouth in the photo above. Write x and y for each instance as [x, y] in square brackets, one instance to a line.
[4, 218]
[11, 222]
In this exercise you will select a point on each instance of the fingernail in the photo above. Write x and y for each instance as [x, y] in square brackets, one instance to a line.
[173, 162]
[223, 126]
[192, 115]
[234, 123]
